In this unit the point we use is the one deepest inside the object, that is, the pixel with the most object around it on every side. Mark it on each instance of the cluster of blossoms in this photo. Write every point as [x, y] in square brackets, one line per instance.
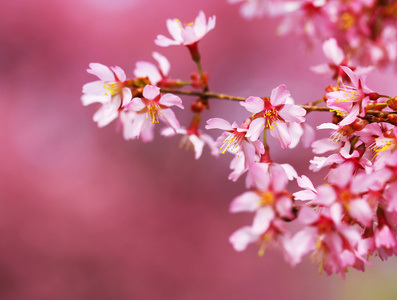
[365, 29]
[342, 222]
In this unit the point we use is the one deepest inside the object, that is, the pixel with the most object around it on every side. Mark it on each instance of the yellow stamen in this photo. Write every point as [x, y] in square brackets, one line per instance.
[346, 21]
[112, 87]
[154, 112]
[233, 142]
[267, 198]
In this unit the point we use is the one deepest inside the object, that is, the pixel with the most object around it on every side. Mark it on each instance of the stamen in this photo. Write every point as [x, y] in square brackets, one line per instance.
[113, 87]
[346, 21]
[154, 112]
[267, 198]
[271, 115]
[233, 142]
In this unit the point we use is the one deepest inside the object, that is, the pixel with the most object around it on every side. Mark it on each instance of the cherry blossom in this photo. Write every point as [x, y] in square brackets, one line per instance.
[188, 34]
[351, 100]
[273, 113]
[151, 108]
[194, 140]
[110, 91]
[153, 72]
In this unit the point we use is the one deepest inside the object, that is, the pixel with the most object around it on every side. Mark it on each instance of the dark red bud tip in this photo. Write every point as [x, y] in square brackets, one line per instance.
[373, 96]
[392, 104]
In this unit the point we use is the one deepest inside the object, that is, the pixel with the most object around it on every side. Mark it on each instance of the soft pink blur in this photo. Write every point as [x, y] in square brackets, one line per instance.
[87, 215]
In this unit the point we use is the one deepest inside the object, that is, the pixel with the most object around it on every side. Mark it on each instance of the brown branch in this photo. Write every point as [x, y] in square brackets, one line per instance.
[308, 108]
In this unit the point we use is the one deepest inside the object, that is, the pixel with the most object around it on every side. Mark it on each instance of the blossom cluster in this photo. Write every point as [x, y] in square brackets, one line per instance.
[365, 29]
[342, 222]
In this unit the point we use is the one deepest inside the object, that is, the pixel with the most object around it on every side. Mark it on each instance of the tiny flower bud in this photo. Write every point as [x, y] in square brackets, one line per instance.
[373, 96]
[392, 103]
[392, 118]
[359, 124]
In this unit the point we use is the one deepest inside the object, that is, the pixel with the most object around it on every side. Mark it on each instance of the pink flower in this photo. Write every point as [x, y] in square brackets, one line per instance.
[271, 203]
[273, 114]
[152, 107]
[338, 59]
[333, 242]
[154, 73]
[127, 118]
[192, 140]
[233, 140]
[110, 91]
[188, 34]
[309, 192]
[350, 100]
[234, 136]
[252, 8]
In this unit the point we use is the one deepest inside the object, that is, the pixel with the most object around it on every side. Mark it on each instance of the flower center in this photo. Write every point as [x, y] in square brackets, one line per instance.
[154, 112]
[233, 141]
[270, 113]
[267, 198]
[112, 88]
[346, 21]
[382, 144]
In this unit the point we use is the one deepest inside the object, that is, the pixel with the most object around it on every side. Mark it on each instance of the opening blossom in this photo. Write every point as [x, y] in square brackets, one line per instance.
[192, 140]
[151, 108]
[110, 91]
[351, 100]
[188, 34]
[155, 73]
[273, 113]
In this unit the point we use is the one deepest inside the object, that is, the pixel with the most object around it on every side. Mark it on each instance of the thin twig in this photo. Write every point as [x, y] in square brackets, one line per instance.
[308, 108]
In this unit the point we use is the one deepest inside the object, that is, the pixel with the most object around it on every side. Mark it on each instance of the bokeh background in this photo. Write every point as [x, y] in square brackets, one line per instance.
[87, 215]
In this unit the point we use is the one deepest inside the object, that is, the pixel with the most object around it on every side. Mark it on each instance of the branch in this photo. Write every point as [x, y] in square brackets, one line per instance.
[308, 108]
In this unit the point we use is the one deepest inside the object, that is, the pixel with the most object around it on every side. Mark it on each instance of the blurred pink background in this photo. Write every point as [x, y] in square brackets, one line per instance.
[87, 215]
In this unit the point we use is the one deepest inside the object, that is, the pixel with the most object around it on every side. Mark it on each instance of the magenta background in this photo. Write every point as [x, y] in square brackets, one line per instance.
[86, 215]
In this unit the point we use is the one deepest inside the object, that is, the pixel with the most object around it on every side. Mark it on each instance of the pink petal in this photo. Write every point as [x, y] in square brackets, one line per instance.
[292, 113]
[171, 100]
[284, 207]
[89, 99]
[280, 132]
[248, 201]
[138, 124]
[94, 88]
[163, 62]
[200, 26]
[255, 129]
[119, 72]
[218, 123]
[361, 212]
[150, 92]
[136, 104]
[146, 69]
[198, 145]
[175, 28]
[164, 41]
[169, 117]
[305, 183]
[127, 96]
[262, 220]
[189, 36]
[353, 77]
[258, 176]
[385, 238]
[302, 243]
[333, 52]
[325, 195]
[279, 95]
[279, 178]
[102, 71]
[253, 104]
[241, 238]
